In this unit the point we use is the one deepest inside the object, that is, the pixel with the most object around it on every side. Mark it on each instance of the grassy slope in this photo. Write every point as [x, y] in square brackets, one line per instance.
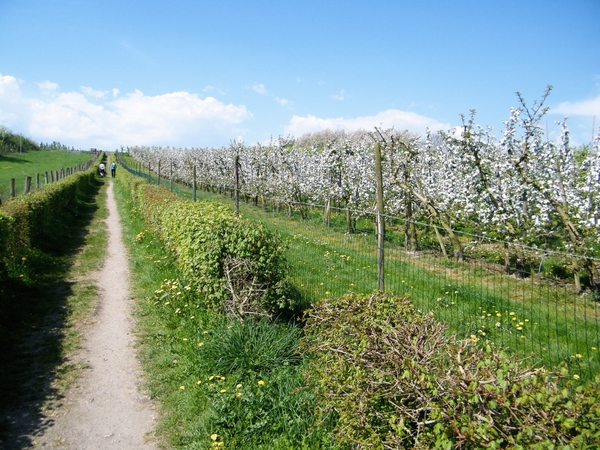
[21, 165]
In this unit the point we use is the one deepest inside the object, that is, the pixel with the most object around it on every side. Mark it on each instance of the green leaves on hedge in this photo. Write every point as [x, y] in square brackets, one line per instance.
[238, 265]
[395, 379]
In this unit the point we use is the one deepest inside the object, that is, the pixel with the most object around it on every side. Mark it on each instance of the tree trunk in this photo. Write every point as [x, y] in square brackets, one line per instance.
[349, 224]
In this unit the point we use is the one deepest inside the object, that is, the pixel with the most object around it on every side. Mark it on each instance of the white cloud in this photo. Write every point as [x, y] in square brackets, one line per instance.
[47, 87]
[283, 101]
[401, 120]
[10, 100]
[93, 118]
[259, 89]
[8, 85]
[590, 107]
[93, 92]
[341, 96]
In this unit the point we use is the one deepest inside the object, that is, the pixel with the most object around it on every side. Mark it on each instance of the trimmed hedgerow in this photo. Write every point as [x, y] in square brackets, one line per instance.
[238, 265]
[41, 218]
[393, 378]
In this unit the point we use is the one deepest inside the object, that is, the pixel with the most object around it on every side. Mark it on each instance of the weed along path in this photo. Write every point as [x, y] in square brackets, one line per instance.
[106, 409]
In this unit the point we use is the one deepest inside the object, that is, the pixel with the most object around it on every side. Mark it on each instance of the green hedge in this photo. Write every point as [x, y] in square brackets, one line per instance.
[236, 264]
[393, 378]
[40, 219]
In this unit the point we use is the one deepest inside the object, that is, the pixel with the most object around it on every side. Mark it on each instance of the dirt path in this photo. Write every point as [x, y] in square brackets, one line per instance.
[106, 409]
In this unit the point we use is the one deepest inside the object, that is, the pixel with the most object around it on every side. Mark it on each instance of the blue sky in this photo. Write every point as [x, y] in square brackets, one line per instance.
[105, 73]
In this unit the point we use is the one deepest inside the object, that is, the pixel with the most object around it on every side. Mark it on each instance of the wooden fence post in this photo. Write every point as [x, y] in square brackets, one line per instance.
[236, 176]
[380, 219]
[13, 192]
[27, 187]
[194, 184]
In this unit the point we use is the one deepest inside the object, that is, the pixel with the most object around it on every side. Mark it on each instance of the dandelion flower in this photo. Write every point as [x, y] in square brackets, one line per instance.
[576, 377]
[200, 344]
[261, 383]
[223, 391]
[214, 437]
[239, 386]
[181, 388]
[238, 395]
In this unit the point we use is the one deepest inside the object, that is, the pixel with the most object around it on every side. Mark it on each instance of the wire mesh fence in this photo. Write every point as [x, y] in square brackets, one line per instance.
[528, 304]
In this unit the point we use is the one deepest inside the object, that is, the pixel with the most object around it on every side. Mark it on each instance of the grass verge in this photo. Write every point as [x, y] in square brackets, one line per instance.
[219, 383]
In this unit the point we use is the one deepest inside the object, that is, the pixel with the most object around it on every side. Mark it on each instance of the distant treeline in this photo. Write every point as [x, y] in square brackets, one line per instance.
[15, 143]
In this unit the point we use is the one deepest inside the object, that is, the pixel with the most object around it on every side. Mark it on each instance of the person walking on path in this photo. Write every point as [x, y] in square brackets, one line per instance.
[113, 169]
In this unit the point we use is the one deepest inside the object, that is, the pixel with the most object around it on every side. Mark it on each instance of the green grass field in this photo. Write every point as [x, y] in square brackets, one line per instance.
[21, 165]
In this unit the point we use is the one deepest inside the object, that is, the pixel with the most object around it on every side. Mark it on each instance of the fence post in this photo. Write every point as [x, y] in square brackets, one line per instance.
[37, 180]
[13, 192]
[194, 184]
[380, 219]
[236, 176]
[158, 173]
[27, 187]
